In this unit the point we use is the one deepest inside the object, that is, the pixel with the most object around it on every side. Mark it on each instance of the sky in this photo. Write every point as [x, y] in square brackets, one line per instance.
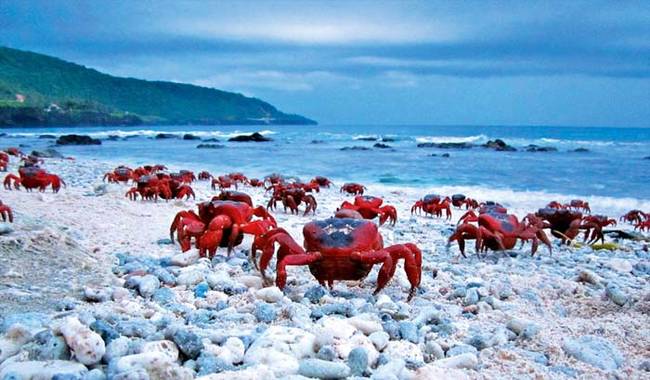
[369, 62]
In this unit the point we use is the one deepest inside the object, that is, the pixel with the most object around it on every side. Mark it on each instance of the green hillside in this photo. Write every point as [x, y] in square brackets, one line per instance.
[37, 89]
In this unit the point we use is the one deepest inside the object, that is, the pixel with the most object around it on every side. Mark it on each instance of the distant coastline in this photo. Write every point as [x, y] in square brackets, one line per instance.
[39, 90]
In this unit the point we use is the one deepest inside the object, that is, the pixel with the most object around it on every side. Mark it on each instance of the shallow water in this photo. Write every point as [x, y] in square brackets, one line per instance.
[614, 167]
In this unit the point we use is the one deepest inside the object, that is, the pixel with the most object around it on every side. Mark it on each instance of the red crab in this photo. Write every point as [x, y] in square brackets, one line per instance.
[120, 174]
[13, 151]
[185, 176]
[254, 182]
[459, 200]
[292, 198]
[162, 186]
[238, 178]
[223, 182]
[564, 224]
[322, 181]
[205, 176]
[353, 188]
[32, 177]
[645, 225]
[556, 205]
[498, 231]
[433, 204]
[635, 217]
[488, 207]
[338, 249]
[601, 221]
[4, 161]
[370, 207]
[579, 204]
[219, 224]
[237, 196]
[5, 212]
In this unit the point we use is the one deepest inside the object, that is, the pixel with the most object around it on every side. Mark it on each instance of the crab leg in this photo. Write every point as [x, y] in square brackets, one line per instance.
[293, 259]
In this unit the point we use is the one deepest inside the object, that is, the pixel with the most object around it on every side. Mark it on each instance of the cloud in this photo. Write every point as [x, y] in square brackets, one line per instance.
[250, 80]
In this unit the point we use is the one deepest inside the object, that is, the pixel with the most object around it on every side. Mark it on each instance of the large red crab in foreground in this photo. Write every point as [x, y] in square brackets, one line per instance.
[219, 224]
[5, 213]
[339, 249]
[433, 204]
[497, 230]
[370, 207]
[353, 188]
[32, 177]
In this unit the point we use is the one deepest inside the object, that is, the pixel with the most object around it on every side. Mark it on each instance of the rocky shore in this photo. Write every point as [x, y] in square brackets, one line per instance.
[93, 289]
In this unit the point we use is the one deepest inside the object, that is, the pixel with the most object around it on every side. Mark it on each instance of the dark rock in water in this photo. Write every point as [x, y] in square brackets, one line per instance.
[646, 158]
[113, 138]
[387, 139]
[47, 153]
[445, 155]
[537, 148]
[189, 136]
[580, 150]
[255, 137]
[447, 145]
[211, 139]
[499, 145]
[77, 140]
[367, 138]
[210, 146]
[317, 142]
[356, 147]
[166, 136]
[51, 137]
[382, 146]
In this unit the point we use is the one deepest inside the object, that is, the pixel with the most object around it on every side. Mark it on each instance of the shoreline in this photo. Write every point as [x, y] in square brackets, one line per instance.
[478, 303]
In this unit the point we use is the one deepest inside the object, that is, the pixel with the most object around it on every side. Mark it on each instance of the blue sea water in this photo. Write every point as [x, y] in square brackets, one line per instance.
[614, 166]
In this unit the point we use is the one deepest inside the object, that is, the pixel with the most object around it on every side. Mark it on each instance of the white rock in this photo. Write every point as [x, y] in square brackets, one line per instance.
[86, 345]
[165, 346]
[254, 282]
[394, 369]
[185, 259]
[433, 372]
[190, 277]
[43, 370]
[339, 328]
[120, 294]
[158, 365]
[404, 350]
[379, 339]
[270, 294]
[258, 372]
[13, 340]
[236, 348]
[384, 303]
[467, 360]
[280, 348]
[117, 348]
[366, 323]
[620, 265]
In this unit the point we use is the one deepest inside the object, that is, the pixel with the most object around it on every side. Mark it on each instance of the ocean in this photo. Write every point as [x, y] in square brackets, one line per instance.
[614, 168]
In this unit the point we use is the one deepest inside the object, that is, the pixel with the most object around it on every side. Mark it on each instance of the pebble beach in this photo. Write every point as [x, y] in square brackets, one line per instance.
[93, 288]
